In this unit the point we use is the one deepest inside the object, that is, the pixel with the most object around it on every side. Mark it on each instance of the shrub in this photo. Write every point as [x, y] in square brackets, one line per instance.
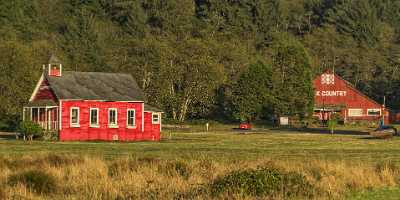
[262, 182]
[30, 129]
[50, 135]
[38, 181]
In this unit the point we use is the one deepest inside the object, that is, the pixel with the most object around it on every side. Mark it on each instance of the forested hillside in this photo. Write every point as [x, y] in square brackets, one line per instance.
[196, 58]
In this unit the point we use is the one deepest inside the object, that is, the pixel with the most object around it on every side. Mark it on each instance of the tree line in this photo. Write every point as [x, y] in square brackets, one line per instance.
[227, 59]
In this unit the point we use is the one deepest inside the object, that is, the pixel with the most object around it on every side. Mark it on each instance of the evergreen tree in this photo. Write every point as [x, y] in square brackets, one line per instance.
[253, 92]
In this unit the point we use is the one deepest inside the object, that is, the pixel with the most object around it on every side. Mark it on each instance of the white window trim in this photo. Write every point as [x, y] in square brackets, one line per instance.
[74, 125]
[353, 109]
[116, 118]
[90, 118]
[374, 109]
[152, 118]
[134, 118]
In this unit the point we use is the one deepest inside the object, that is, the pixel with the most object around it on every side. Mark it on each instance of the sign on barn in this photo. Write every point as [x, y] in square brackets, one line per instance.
[336, 95]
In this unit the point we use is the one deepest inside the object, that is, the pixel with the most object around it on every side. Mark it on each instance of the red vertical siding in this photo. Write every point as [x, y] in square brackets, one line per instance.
[103, 132]
[44, 92]
[341, 93]
[152, 130]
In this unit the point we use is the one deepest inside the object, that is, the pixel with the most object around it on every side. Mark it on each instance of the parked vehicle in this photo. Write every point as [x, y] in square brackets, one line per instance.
[384, 132]
[245, 126]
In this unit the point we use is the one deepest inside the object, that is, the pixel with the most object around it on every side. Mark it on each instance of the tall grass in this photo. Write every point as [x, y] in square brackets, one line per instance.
[147, 178]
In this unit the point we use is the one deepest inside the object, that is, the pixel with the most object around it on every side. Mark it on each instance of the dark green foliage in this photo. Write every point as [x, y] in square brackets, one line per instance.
[38, 181]
[359, 19]
[292, 77]
[262, 182]
[30, 129]
[253, 92]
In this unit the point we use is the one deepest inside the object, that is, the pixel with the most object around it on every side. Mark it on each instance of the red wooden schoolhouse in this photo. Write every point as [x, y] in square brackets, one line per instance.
[91, 106]
[336, 95]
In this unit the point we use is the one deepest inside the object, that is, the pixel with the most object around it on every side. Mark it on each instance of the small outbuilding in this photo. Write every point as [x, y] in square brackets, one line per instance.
[336, 95]
[91, 106]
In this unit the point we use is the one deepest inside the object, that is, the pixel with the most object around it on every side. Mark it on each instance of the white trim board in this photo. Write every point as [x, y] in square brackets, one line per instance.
[90, 118]
[127, 118]
[60, 115]
[116, 118]
[74, 125]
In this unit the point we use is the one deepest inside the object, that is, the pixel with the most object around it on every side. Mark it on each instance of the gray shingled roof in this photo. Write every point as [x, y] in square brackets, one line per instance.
[149, 108]
[54, 60]
[95, 86]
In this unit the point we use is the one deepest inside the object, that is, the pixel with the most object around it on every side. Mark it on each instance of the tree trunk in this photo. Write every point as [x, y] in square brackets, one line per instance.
[172, 94]
[174, 115]
[183, 110]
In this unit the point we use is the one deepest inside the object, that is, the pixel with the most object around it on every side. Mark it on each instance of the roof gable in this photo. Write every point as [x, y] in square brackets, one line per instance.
[328, 80]
[96, 86]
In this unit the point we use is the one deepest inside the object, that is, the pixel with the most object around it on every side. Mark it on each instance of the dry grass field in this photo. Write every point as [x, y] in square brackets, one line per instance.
[268, 164]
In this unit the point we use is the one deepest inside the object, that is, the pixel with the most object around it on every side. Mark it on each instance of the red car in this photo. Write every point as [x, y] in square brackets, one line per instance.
[245, 126]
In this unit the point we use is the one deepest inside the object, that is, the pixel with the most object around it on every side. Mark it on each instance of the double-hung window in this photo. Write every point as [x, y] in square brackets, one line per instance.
[94, 117]
[155, 118]
[130, 118]
[112, 118]
[74, 117]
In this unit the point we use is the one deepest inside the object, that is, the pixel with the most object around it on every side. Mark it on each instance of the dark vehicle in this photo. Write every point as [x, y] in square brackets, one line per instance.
[384, 132]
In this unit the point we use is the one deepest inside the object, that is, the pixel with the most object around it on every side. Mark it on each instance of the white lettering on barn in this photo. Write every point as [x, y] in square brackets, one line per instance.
[331, 93]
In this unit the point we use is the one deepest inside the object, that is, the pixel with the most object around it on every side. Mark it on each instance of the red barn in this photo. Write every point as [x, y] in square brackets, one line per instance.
[91, 106]
[335, 95]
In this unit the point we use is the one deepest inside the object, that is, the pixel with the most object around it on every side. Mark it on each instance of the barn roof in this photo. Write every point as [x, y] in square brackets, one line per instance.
[353, 87]
[350, 86]
[95, 86]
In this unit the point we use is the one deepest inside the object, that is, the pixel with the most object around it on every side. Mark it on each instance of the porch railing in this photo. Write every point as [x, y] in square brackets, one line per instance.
[45, 116]
[49, 125]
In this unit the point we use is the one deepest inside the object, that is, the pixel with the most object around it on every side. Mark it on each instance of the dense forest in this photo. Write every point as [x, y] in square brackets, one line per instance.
[213, 59]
